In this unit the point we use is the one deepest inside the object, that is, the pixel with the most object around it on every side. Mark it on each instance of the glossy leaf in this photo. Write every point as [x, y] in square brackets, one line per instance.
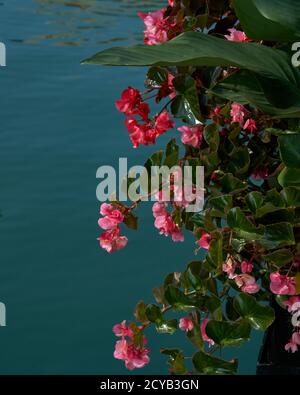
[226, 333]
[206, 364]
[259, 316]
[274, 20]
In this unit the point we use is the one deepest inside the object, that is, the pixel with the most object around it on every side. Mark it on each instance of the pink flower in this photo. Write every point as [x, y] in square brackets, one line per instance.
[290, 303]
[172, 92]
[112, 217]
[192, 135]
[147, 133]
[238, 113]
[186, 324]
[121, 349]
[131, 103]
[112, 240]
[250, 125]
[164, 222]
[130, 99]
[204, 241]
[171, 3]
[246, 267]
[294, 343]
[247, 283]
[134, 357]
[136, 132]
[229, 268]
[215, 112]
[122, 330]
[203, 332]
[156, 26]
[260, 174]
[163, 123]
[282, 285]
[236, 35]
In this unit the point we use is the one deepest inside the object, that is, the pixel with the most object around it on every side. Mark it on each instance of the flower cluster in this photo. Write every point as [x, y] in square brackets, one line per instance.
[146, 130]
[246, 282]
[158, 27]
[165, 223]
[192, 135]
[134, 356]
[111, 240]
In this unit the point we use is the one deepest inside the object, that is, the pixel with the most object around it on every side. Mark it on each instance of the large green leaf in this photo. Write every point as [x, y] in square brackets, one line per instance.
[290, 149]
[176, 298]
[275, 20]
[265, 93]
[291, 196]
[289, 177]
[278, 235]
[243, 227]
[226, 333]
[198, 49]
[279, 257]
[260, 317]
[205, 363]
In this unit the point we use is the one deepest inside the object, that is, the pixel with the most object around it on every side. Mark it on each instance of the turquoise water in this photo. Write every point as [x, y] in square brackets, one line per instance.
[58, 125]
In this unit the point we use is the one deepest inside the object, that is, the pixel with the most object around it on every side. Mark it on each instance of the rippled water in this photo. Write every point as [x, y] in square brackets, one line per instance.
[58, 124]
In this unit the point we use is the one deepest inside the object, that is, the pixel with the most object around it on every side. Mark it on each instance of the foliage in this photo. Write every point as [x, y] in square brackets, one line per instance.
[243, 94]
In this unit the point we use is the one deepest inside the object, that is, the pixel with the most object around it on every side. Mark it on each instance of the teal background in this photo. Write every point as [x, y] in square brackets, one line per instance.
[58, 125]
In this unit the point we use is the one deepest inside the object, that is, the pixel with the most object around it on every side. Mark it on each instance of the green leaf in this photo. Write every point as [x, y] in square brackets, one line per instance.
[176, 298]
[212, 136]
[197, 275]
[232, 184]
[158, 294]
[203, 219]
[289, 146]
[206, 364]
[176, 360]
[277, 235]
[280, 257]
[154, 313]
[140, 312]
[195, 337]
[267, 94]
[186, 91]
[168, 327]
[239, 161]
[215, 253]
[237, 220]
[260, 317]
[131, 221]
[156, 76]
[226, 333]
[172, 154]
[273, 20]
[198, 49]
[220, 205]
[289, 177]
[214, 306]
[254, 201]
[291, 196]
[154, 160]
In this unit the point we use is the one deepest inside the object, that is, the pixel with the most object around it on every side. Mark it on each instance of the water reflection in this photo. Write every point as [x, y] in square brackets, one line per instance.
[74, 22]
